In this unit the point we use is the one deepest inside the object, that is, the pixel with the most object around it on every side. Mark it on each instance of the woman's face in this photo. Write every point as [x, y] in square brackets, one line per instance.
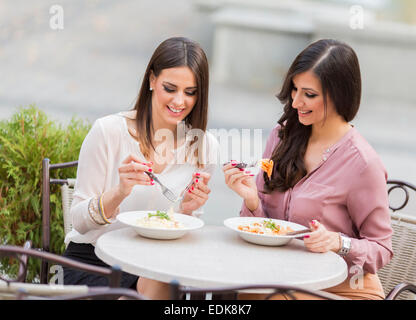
[174, 95]
[308, 99]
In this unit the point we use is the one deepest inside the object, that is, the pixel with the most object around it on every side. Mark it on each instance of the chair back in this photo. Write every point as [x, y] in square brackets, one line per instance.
[402, 268]
[113, 273]
[67, 191]
[17, 289]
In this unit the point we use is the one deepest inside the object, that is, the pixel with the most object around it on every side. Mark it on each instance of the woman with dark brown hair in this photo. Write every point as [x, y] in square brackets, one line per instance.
[165, 134]
[325, 175]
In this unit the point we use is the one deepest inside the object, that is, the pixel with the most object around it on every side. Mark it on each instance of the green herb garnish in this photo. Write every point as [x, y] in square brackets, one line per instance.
[271, 225]
[160, 214]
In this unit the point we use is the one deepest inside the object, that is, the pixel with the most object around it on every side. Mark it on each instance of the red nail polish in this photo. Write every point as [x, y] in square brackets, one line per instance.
[251, 175]
[196, 180]
[192, 188]
[241, 169]
[306, 237]
[150, 170]
[233, 164]
[197, 174]
[189, 190]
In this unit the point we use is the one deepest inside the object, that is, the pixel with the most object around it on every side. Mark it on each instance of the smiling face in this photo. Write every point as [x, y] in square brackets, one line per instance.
[308, 99]
[174, 96]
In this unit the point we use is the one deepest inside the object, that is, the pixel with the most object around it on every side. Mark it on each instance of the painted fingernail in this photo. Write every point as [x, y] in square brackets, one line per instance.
[197, 174]
[150, 170]
[189, 191]
[233, 164]
[251, 175]
[152, 183]
[241, 169]
[306, 237]
[196, 180]
[192, 188]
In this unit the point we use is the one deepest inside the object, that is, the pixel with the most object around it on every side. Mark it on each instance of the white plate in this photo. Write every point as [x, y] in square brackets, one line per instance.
[262, 239]
[130, 219]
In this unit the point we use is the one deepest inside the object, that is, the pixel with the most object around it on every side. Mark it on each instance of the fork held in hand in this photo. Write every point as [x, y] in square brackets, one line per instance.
[165, 191]
[243, 165]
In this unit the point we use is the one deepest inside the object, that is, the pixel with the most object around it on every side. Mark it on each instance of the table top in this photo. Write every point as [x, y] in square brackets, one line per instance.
[217, 256]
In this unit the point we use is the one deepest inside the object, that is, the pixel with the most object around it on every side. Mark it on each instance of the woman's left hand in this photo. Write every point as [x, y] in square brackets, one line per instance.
[197, 194]
[320, 239]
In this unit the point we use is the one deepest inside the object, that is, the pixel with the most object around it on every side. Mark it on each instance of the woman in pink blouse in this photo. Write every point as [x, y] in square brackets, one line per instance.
[325, 175]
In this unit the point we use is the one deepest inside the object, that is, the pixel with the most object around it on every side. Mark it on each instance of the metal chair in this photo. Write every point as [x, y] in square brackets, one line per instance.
[178, 292]
[400, 274]
[67, 186]
[18, 289]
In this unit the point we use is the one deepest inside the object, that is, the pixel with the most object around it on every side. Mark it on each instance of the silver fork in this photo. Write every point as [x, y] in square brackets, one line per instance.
[182, 195]
[165, 191]
[243, 165]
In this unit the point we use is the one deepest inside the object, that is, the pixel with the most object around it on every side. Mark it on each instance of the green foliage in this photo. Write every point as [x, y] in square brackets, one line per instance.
[25, 139]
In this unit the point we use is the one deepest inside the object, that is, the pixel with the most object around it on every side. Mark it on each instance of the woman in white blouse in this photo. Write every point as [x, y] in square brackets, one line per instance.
[164, 134]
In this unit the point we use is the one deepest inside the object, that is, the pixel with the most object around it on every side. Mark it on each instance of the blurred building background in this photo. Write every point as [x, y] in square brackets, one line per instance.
[92, 64]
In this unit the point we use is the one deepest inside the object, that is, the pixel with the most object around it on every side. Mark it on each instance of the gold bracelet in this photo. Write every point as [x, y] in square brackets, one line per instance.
[102, 210]
[94, 212]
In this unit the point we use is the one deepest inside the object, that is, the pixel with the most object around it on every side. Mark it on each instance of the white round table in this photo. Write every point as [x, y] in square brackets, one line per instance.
[216, 256]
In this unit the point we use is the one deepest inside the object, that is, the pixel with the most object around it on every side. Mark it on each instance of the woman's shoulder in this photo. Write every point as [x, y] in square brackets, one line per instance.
[112, 124]
[362, 151]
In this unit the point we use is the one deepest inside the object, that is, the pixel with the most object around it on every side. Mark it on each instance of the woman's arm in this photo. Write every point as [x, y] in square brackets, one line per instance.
[368, 207]
[253, 206]
[91, 174]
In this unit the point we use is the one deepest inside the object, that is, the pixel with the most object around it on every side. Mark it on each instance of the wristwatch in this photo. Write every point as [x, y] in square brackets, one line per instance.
[345, 245]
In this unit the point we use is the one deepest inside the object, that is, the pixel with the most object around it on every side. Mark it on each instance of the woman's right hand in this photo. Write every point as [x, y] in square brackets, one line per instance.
[240, 182]
[132, 172]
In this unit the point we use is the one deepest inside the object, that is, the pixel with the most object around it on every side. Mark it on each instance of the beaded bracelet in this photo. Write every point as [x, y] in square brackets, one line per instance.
[94, 212]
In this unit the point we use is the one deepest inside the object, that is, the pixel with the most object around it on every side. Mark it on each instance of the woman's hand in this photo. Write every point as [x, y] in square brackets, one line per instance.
[197, 194]
[320, 239]
[132, 172]
[241, 183]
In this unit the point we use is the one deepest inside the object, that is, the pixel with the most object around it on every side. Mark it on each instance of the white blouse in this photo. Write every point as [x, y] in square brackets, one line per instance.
[106, 145]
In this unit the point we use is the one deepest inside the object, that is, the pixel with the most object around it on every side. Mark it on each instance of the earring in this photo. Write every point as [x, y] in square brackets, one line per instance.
[151, 89]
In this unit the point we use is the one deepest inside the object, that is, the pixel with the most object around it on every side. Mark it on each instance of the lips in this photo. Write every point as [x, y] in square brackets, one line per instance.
[304, 113]
[175, 111]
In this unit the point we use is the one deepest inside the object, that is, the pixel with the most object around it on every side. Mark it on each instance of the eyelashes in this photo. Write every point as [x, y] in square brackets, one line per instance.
[188, 93]
[308, 95]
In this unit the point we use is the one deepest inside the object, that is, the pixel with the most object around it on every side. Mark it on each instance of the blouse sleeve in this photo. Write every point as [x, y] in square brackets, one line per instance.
[91, 175]
[271, 143]
[367, 204]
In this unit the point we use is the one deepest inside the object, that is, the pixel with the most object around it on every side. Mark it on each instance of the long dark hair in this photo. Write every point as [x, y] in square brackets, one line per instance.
[336, 65]
[171, 53]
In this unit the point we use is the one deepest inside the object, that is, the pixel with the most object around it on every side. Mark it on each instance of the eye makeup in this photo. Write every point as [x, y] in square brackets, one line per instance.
[171, 90]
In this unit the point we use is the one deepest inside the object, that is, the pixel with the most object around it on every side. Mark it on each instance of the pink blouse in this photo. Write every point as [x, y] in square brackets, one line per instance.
[347, 193]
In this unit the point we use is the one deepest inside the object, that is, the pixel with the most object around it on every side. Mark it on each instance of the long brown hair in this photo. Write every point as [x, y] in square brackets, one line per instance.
[171, 53]
[336, 65]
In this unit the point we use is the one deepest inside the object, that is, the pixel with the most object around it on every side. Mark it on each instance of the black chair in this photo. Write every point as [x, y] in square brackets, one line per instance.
[399, 276]
[46, 214]
[19, 289]
[178, 292]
